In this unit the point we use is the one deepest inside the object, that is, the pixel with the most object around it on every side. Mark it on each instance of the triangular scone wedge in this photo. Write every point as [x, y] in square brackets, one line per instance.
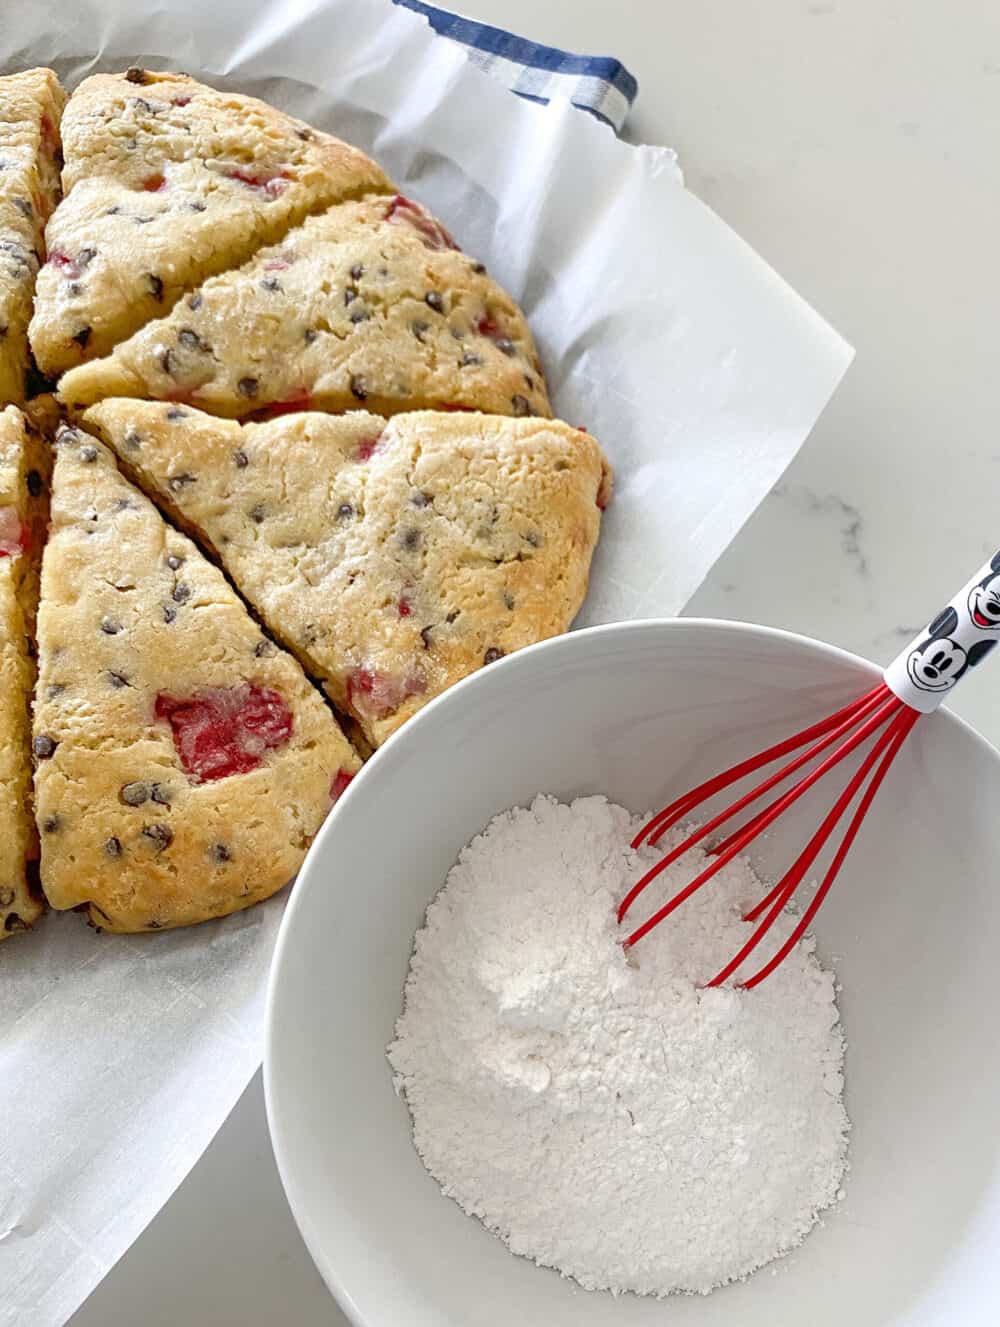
[167, 182]
[365, 303]
[183, 762]
[393, 557]
[30, 110]
[24, 460]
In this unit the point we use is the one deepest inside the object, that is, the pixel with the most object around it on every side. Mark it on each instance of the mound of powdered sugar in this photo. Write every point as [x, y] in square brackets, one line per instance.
[602, 1114]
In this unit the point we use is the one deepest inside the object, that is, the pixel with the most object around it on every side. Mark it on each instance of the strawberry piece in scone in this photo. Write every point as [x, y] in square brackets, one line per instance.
[183, 761]
[24, 460]
[168, 181]
[368, 303]
[392, 557]
[30, 110]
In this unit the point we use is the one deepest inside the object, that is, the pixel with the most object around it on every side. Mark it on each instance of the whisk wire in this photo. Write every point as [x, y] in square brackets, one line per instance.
[779, 897]
[761, 821]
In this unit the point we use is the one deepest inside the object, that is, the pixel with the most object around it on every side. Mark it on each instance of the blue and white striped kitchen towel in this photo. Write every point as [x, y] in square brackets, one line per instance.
[595, 83]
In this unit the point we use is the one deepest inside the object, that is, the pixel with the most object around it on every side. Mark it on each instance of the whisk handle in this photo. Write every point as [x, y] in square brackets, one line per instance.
[956, 640]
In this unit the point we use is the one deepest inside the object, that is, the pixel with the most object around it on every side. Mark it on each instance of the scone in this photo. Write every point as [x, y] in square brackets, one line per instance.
[30, 110]
[23, 475]
[369, 302]
[183, 761]
[167, 182]
[393, 557]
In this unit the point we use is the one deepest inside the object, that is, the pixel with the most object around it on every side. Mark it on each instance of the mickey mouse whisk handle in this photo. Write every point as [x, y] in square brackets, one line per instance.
[958, 639]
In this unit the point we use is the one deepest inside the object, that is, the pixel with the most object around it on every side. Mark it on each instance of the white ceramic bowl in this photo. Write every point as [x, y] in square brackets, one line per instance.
[640, 711]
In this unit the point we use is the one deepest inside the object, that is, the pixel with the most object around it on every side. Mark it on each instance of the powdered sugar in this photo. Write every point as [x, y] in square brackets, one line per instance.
[604, 1115]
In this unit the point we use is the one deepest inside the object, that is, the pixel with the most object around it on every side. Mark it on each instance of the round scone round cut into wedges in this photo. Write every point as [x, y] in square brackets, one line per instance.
[393, 557]
[183, 761]
[367, 304]
[167, 182]
[31, 106]
[24, 460]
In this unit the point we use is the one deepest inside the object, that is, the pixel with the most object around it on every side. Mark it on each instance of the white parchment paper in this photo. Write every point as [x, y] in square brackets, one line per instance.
[661, 331]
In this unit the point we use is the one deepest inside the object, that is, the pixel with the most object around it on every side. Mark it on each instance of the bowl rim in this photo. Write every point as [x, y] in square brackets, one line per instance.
[412, 731]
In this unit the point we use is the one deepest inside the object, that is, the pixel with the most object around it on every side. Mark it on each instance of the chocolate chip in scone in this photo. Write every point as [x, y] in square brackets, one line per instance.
[88, 454]
[118, 680]
[508, 601]
[132, 440]
[521, 405]
[24, 207]
[479, 268]
[175, 412]
[505, 345]
[350, 295]
[135, 794]
[418, 328]
[189, 339]
[533, 538]
[169, 614]
[174, 562]
[34, 482]
[195, 302]
[410, 539]
[176, 483]
[248, 387]
[469, 359]
[161, 836]
[112, 211]
[12, 922]
[529, 382]
[434, 300]
[271, 284]
[44, 746]
[359, 387]
[257, 513]
[360, 315]
[492, 655]
[55, 690]
[357, 271]
[181, 593]
[425, 636]
[345, 511]
[155, 285]
[113, 847]
[241, 459]
[453, 615]
[220, 853]
[167, 362]
[51, 825]
[310, 335]
[306, 135]
[136, 75]
[196, 205]
[161, 794]
[82, 337]
[421, 499]
[264, 649]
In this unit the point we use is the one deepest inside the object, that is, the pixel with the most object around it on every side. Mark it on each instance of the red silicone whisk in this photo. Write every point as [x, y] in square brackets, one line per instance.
[915, 683]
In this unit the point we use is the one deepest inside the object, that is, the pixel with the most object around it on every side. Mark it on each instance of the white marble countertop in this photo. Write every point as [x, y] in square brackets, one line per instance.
[850, 142]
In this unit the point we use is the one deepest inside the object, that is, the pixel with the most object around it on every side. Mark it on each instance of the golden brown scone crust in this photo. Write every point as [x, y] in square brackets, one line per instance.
[365, 303]
[31, 106]
[131, 612]
[168, 181]
[392, 557]
[24, 461]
